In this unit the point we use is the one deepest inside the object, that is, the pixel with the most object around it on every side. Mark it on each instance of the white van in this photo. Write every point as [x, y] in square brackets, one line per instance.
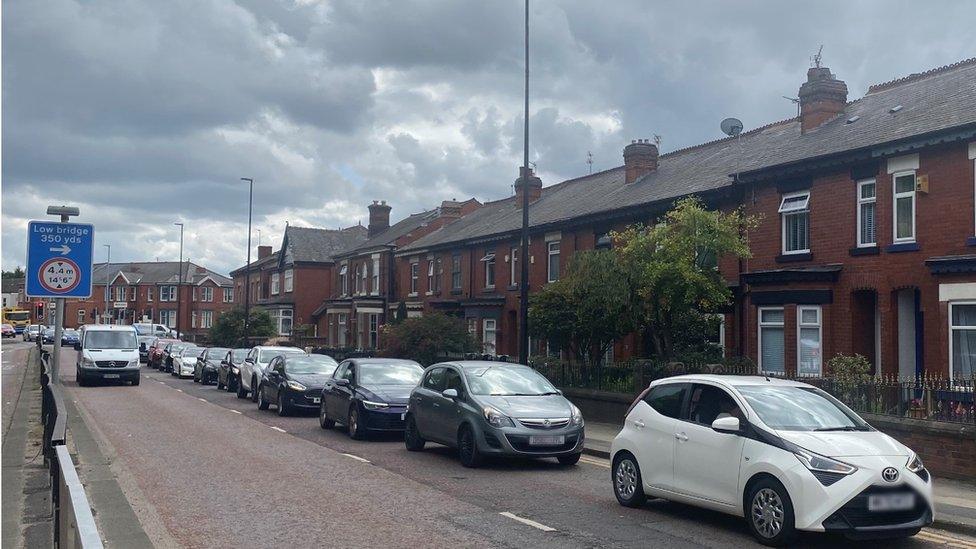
[147, 329]
[106, 351]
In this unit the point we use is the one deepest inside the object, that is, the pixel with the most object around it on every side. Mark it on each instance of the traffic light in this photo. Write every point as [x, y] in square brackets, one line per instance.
[39, 307]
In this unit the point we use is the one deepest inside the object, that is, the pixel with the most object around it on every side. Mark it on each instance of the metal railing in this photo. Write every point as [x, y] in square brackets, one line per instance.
[928, 396]
[74, 525]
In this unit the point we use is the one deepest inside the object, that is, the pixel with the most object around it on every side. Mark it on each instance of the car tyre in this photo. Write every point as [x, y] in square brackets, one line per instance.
[283, 409]
[262, 404]
[411, 436]
[769, 513]
[195, 378]
[135, 382]
[468, 448]
[241, 393]
[254, 392]
[354, 425]
[628, 486]
[82, 380]
[232, 385]
[220, 386]
[324, 421]
[570, 460]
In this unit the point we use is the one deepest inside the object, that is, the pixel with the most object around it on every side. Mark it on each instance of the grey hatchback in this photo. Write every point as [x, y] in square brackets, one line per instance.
[492, 408]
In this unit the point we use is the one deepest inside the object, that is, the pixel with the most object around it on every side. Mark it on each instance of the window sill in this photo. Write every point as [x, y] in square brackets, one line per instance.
[903, 247]
[791, 258]
[512, 287]
[456, 292]
[488, 290]
[428, 293]
[412, 294]
[865, 250]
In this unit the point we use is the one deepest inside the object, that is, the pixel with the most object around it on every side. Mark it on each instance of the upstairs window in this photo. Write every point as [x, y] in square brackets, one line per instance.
[275, 283]
[289, 280]
[904, 205]
[430, 276]
[456, 272]
[866, 202]
[207, 295]
[514, 265]
[414, 275]
[795, 213]
[344, 279]
[437, 275]
[489, 261]
[357, 278]
[364, 279]
[376, 275]
[228, 295]
[553, 264]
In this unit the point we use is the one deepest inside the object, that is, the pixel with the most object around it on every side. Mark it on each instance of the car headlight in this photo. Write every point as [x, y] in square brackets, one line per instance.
[577, 415]
[235, 370]
[295, 385]
[370, 405]
[915, 464]
[134, 363]
[822, 464]
[496, 418]
[88, 363]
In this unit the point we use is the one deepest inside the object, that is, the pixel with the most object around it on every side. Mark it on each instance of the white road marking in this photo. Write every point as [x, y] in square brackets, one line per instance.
[528, 522]
[236, 411]
[279, 429]
[202, 399]
[357, 458]
[179, 390]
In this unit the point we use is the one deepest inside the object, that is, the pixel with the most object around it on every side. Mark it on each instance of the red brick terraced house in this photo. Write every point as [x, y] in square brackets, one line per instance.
[866, 241]
[365, 278]
[147, 292]
[292, 282]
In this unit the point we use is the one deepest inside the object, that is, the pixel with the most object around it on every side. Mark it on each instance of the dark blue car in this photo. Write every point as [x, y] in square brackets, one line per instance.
[69, 337]
[369, 394]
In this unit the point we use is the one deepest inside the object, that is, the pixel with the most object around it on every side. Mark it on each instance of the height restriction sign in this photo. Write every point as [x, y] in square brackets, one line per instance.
[59, 259]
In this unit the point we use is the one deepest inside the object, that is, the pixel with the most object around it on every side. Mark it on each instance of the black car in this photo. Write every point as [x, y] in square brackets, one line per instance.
[47, 335]
[166, 362]
[369, 394]
[229, 371]
[295, 382]
[145, 342]
[205, 370]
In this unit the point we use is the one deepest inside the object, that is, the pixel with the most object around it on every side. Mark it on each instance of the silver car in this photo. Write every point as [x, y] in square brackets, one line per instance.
[492, 408]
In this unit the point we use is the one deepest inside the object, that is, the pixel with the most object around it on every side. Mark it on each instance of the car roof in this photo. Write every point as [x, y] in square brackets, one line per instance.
[108, 328]
[379, 360]
[480, 364]
[276, 348]
[734, 380]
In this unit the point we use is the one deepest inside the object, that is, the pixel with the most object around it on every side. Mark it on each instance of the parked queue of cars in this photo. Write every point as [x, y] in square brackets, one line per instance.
[783, 455]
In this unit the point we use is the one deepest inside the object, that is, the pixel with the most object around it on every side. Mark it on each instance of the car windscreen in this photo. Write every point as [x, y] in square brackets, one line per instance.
[142, 329]
[509, 381]
[192, 352]
[70, 333]
[787, 408]
[111, 340]
[314, 364]
[265, 356]
[403, 373]
[238, 355]
[217, 353]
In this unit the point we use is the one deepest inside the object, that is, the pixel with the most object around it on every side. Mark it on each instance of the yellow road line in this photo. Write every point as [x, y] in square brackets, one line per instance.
[944, 539]
[596, 461]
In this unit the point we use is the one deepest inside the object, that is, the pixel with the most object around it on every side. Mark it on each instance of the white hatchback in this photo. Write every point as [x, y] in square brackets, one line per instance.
[785, 455]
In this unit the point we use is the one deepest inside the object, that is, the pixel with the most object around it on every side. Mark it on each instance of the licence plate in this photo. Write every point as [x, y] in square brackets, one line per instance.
[316, 400]
[547, 441]
[111, 376]
[891, 502]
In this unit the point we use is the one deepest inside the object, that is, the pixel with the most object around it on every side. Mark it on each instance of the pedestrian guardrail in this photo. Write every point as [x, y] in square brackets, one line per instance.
[74, 525]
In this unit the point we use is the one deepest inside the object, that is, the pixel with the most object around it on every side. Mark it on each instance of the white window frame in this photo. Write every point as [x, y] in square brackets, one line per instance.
[344, 278]
[374, 323]
[193, 319]
[289, 283]
[549, 254]
[513, 265]
[149, 293]
[206, 294]
[894, 206]
[953, 328]
[376, 276]
[414, 277]
[275, 283]
[357, 279]
[494, 336]
[81, 316]
[760, 325]
[228, 295]
[861, 202]
[206, 319]
[342, 328]
[793, 210]
[430, 276]
[489, 261]
[819, 326]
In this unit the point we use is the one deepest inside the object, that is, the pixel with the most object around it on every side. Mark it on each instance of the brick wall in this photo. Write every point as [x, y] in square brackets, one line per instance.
[946, 449]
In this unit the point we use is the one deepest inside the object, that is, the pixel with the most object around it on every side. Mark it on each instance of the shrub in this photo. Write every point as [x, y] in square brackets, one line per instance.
[849, 367]
[428, 338]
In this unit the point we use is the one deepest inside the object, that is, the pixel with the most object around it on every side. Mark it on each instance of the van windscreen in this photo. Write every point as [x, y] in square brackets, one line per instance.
[111, 340]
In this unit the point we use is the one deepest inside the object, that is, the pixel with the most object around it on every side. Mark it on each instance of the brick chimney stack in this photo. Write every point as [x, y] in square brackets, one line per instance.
[531, 184]
[822, 97]
[264, 251]
[451, 210]
[640, 157]
[379, 218]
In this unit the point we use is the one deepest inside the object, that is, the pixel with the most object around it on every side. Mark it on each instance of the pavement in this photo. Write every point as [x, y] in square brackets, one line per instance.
[955, 500]
[171, 463]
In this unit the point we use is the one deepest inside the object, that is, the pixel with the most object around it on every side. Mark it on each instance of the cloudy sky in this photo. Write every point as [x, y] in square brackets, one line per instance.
[144, 113]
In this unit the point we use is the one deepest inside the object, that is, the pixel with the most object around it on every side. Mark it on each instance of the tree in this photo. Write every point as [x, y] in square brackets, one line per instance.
[401, 313]
[228, 329]
[674, 268]
[16, 273]
[588, 308]
[427, 338]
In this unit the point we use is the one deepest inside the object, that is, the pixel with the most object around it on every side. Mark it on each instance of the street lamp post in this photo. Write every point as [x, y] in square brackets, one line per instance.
[179, 287]
[247, 266]
[108, 263]
[523, 347]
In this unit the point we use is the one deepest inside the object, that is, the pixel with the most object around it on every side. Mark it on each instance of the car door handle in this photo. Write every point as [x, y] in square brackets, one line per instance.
[681, 436]
[639, 423]
[436, 405]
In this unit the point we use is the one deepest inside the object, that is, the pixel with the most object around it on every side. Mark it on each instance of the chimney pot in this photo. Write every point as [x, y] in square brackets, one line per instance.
[379, 218]
[822, 97]
[527, 182]
[640, 158]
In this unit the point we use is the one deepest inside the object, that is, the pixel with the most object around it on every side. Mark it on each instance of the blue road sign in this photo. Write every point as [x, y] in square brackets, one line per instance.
[59, 259]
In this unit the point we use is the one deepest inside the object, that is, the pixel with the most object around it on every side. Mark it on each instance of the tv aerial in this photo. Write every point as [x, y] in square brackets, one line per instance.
[731, 127]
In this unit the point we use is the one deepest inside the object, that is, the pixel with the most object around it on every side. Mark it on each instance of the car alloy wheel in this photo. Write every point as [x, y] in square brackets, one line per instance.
[411, 436]
[767, 513]
[627, 484]
[262, 404]
[254, 391]
[282, 407]
[324, 421]
[355, 430]
[468, 448]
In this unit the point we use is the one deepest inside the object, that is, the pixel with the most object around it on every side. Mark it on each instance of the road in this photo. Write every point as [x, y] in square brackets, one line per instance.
[206, 469]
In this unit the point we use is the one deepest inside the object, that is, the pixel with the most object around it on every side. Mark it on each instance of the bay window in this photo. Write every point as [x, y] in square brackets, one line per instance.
[795, 214]
[809, 334]
[414, 275]
[275, 283]
[489, 335]
[772, 345]
[513, 263]
[456, 272]
[376, 275]
[962, 344]
[430, 276]
[344, 279]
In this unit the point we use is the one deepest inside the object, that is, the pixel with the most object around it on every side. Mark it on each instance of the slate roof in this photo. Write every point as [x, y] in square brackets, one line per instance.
[397, 230]
[12, 285]
[934, 101]
[321, 245]
[156, 272]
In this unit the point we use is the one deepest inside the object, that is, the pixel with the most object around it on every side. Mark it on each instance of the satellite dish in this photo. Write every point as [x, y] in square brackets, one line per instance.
[731, 126]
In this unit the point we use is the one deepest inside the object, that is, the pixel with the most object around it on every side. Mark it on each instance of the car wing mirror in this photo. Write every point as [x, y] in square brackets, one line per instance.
[728, 424]
[78, 346]
[450, 393]
[342, 382]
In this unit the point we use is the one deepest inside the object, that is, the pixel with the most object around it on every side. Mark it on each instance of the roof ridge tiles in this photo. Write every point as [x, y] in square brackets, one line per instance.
[730, 138]
[915, 76]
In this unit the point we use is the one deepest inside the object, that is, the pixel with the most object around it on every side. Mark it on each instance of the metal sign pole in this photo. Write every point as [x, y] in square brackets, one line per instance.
[58, 329]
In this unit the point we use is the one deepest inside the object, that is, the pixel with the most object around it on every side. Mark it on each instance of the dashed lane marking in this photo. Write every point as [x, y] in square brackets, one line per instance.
[179, 390]
[202, 399]
[357, 458]
[235, 411]
[279, 429]
[532, 523]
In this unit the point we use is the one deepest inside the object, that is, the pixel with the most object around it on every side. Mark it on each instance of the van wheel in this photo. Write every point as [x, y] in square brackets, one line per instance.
[628, 486]
[769, 513]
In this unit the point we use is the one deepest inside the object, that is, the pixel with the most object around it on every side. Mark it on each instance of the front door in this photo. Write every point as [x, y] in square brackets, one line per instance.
[425, 403]
[706, 462]
[654, 424]
[447, 412]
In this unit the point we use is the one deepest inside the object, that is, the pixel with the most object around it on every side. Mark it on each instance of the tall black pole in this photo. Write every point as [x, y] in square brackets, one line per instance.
[247, 268]
[179, 288]
[523, 330]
